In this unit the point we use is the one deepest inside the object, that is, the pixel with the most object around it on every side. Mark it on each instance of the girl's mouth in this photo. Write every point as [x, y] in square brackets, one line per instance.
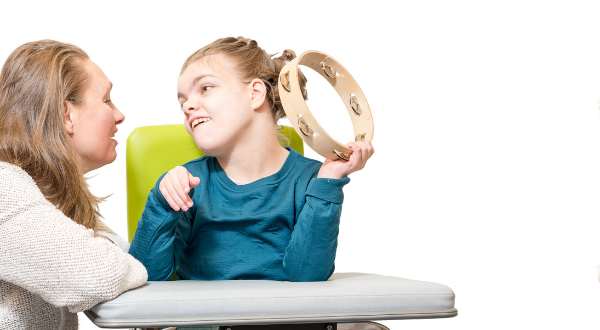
[199, 121]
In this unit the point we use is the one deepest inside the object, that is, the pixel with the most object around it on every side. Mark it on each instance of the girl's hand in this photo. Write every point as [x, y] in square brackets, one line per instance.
[337, 169]
[175, 187]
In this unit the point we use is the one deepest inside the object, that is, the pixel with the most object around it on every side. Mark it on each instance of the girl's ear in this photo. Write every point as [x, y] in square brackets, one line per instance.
[68, 116]
[259, 93]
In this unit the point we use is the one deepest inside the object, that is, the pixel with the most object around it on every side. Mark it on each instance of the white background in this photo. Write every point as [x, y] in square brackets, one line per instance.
[486, 175]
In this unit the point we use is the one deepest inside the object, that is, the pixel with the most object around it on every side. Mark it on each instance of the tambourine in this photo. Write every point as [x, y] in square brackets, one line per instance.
[300, 116]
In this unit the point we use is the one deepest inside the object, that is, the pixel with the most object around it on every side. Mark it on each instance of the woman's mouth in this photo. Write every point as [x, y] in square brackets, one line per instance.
[199, 121]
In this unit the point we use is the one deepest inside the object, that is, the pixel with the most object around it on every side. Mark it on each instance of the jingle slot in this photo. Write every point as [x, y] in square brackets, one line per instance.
[360, 137]
[355, 105]
[304, 128]
[285, 81]
[340, 155]
[332, 73]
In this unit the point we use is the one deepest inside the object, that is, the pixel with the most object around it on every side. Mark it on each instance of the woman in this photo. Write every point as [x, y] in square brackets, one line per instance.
[56, 124]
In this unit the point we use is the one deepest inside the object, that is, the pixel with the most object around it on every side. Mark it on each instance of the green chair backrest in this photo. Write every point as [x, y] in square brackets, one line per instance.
[154, 150]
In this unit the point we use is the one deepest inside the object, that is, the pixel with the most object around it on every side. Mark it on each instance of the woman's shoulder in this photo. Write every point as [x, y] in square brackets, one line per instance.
[13, 172]
[16, 182]
[8, 167]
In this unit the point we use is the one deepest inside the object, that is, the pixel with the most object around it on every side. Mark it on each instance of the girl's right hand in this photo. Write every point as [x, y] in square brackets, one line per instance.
[176, 185]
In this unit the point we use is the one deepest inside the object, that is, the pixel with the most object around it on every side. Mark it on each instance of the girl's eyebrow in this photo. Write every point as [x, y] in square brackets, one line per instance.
[195, 81]
[200, 77]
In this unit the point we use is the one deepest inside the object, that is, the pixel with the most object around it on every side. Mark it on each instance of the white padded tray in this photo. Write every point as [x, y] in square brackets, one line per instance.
[345, 297]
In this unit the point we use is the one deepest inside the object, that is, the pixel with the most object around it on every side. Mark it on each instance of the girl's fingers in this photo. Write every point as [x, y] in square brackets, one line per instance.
[182, 186]
[356, 158]
[365, 154]
[183, 179]
[176, 193]
[167, 195]
[194, 181]
[179, 185]
[175, 187]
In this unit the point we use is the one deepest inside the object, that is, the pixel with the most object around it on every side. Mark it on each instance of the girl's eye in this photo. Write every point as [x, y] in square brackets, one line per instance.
[205, 88]
[107, 101]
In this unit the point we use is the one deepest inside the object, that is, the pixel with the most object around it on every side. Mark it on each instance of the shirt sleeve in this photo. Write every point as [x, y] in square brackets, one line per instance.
[310, 255]
[161, 236]
[48, 254]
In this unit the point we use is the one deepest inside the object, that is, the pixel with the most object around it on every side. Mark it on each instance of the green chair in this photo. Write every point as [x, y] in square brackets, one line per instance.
[347, 301]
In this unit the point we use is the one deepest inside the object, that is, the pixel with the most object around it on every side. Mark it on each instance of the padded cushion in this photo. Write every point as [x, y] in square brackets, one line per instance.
[345, 297]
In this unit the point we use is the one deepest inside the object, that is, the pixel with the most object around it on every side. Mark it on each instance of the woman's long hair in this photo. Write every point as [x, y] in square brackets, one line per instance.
[35, 82]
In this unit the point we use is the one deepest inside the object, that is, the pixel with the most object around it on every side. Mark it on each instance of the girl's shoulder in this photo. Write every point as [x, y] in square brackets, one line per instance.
[304, 166]
[198, 162]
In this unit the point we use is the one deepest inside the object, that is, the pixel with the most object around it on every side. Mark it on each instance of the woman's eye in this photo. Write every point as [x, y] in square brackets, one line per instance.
[205, 88]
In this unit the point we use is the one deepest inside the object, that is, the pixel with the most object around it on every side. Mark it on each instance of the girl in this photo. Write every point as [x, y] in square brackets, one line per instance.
[255, 209]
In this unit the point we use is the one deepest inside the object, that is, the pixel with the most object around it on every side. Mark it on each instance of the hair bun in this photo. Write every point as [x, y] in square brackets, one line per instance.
[284, 59]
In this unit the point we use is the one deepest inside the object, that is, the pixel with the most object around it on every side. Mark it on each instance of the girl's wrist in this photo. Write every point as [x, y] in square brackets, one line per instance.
[325, 174]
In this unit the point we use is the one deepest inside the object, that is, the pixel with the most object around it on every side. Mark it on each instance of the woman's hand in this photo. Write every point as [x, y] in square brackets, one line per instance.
[175, 187]
[337, 169]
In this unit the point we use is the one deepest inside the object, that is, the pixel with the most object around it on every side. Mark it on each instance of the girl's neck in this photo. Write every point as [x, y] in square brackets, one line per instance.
[256, 156]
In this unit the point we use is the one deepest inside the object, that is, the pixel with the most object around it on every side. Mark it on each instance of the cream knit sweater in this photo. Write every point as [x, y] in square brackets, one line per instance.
[50, 267]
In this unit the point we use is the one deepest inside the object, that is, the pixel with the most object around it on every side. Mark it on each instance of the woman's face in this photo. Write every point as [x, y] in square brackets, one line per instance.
[93, 123]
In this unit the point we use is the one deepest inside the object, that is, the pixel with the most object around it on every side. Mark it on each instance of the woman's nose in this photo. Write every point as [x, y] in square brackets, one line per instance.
[119, 116]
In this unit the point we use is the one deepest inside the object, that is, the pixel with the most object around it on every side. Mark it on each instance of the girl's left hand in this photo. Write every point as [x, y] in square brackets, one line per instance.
[337, 169]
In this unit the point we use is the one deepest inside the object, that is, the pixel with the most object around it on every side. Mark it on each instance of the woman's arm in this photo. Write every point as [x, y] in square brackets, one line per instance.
[101, 229]
[48, 254]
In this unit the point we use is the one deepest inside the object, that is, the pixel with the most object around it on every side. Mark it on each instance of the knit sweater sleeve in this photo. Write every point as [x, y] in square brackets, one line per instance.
[310, 254]
[102, 229]
[48, 254]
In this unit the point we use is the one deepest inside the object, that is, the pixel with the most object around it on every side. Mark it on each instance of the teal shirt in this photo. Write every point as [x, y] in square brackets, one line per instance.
[283, 227]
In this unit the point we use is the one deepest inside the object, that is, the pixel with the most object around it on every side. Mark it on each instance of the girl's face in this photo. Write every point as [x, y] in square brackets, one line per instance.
[216, 104]
[94, 122]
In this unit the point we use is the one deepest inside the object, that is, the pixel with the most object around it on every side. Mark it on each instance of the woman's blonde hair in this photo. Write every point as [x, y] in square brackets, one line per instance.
[36, 81]
[252, 62]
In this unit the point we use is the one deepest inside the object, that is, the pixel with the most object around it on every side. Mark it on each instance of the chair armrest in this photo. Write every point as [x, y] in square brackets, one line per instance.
[345, 297]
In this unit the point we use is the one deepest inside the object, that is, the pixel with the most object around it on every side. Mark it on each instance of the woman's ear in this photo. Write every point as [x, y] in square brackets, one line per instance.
[68, 117]
[259, 93]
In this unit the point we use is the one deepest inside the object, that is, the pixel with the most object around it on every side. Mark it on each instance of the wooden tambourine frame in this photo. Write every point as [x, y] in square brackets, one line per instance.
[300, 116]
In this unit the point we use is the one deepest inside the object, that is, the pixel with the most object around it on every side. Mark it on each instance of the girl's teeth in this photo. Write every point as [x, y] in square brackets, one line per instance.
[198, 121]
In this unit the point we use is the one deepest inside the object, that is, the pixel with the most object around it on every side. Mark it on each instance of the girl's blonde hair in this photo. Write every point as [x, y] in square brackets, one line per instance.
[252, 62]
[36, 81]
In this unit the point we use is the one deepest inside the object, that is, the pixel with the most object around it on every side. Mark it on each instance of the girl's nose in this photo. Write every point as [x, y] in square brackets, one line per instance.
[190, 106]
